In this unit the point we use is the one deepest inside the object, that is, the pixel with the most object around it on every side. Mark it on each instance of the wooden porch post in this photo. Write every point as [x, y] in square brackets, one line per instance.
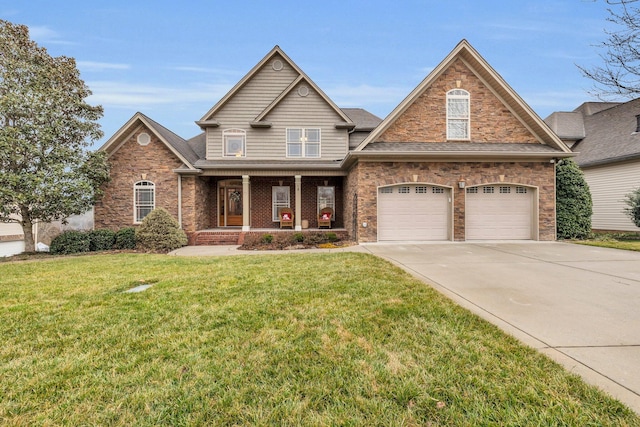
[246, 198]
[298, 214]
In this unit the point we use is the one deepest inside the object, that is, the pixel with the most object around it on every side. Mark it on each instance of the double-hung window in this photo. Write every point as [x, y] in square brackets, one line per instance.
[280, 198]
[327, 199]
[234, 143]
[144, 200]
[458, 126]
[303, 142]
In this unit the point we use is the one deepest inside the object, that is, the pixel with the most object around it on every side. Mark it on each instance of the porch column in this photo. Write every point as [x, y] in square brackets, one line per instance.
[298, 213]
[246, 198]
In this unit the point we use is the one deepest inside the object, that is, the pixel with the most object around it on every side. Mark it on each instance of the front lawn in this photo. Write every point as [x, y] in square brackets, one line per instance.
[295, 339]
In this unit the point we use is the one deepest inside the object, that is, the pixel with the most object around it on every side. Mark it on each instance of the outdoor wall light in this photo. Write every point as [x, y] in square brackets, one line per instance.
[364, 224]
[461, 184]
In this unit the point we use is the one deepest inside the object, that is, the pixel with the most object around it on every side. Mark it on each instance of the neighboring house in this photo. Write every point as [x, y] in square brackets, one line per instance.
[606, 139]
[461, 158]
[11, 239]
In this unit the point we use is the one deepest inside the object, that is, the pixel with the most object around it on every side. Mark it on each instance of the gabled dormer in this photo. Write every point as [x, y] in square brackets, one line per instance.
[276, 112]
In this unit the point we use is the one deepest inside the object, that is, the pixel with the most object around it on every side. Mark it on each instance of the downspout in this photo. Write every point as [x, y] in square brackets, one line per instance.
[180, 200]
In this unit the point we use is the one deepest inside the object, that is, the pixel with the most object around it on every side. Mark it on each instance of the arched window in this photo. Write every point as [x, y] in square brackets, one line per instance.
[234, 142]
[144, 200]
[458, 114]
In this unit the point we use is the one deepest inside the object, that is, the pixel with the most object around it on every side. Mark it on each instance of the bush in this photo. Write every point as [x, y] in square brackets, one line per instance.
[267, 238]
[332, 237]
[70, 242]
[125, 238]
[101, 240]
[160, 232]
[573, 202]
[298, 237]
[632, 200]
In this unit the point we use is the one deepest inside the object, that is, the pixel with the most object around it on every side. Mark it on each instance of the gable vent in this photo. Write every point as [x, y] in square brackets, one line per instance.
[144, 139]
[277, 65]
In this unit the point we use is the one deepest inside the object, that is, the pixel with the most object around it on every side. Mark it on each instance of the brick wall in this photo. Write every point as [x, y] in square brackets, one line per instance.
[425, 119]
[128, 164]
[261, 199]
[197, 207]
[365, 178]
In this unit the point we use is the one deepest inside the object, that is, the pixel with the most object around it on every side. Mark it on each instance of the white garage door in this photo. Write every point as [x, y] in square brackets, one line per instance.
[499, 212]
[413, 212]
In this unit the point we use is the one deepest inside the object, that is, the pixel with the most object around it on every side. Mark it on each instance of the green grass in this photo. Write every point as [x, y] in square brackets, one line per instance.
[299, 339]
[624, 241]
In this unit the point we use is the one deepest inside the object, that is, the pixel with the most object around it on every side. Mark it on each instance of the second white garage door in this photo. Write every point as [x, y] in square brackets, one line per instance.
[413, 212]
[499, 212]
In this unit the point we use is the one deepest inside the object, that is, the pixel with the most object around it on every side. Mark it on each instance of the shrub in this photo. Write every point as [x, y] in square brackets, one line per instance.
[70, 242]
[632, 200]
[267, 238]
[125, 238]
[573, 202]
[298, 237]
[101, 240]
[160, 232]
[332, 237]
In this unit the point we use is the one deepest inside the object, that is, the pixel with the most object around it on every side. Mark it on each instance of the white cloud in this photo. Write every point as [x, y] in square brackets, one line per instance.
[139, 96]
[46, 35]
[204, 70]
[361, 95]
[101, 66]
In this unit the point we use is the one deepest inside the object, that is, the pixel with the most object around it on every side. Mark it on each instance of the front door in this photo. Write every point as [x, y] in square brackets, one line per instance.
[230, 203]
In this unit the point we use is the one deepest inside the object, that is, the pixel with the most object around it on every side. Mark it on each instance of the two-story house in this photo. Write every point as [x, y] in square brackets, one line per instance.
[462, 157]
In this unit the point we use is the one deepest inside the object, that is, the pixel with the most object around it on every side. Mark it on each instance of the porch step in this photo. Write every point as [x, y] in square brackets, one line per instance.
[207, 238]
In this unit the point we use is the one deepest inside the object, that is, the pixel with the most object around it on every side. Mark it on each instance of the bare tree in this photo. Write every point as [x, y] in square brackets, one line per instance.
[620, 74]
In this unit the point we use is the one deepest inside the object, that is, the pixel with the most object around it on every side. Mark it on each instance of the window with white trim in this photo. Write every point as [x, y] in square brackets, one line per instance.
[505, 190]
[437, 190]
[386, 190]
[458, 115]
[472, 190]
[280, 198]
[327, 199]
[422, 189]
[144, 200]
[488, 190]
[234, 143]
[521, 190]
[303, 142]
[404, 190]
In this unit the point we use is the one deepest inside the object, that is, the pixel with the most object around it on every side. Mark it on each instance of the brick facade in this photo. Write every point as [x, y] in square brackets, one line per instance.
[365, 178]
[425, 119]
[131, 163]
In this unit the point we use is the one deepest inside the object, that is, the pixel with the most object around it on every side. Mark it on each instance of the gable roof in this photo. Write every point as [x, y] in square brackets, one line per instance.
[301, 77]
[610, 134]
[173, 142]
[472, 59]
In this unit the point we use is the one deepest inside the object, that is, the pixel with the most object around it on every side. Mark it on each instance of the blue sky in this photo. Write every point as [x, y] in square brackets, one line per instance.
[174, 60]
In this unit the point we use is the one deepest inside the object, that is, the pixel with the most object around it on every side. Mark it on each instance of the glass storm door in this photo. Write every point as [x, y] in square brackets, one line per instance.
[230, 198]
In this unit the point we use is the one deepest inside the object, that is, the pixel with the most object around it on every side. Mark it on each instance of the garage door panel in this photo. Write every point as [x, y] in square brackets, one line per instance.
[500, 212]
[413, 212]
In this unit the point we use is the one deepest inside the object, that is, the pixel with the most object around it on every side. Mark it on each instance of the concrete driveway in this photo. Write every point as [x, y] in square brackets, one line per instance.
[580, 305]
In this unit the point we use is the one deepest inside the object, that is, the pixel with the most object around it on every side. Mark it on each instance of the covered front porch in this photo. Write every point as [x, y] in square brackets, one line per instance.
[224, 207]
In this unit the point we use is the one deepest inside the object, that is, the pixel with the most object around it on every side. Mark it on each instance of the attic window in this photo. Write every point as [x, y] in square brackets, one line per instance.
[458, 114]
